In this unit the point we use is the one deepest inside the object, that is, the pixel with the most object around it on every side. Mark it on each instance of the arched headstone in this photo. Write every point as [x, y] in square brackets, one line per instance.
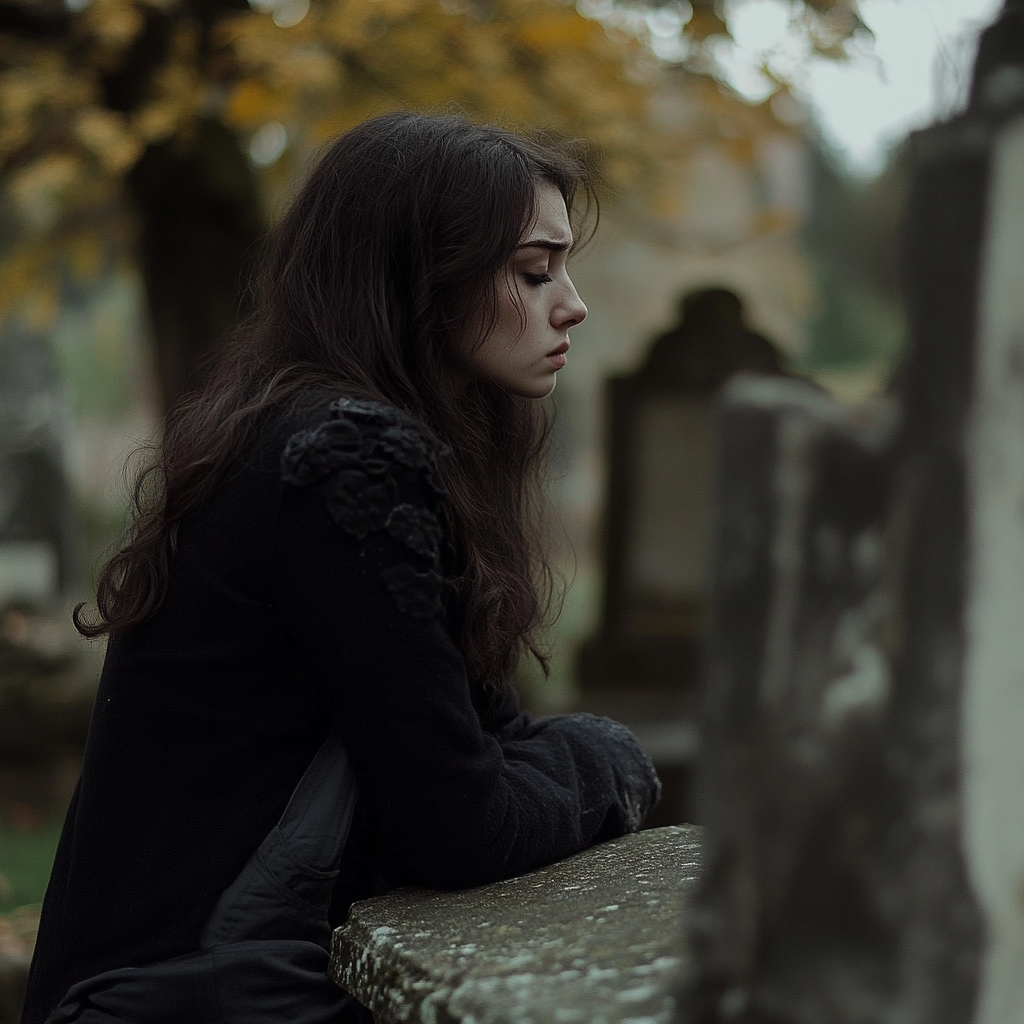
[643, 664]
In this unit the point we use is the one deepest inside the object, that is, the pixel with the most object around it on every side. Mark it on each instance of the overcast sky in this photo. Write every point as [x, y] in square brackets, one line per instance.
[915, 68]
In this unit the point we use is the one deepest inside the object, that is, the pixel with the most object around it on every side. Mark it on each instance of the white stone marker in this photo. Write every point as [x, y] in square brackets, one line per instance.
[993, 708]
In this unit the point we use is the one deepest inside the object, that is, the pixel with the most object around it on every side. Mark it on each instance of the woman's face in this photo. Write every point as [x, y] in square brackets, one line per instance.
[537, 304]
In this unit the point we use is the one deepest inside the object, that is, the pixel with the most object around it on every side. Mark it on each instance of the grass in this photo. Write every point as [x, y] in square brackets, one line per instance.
[27, 847]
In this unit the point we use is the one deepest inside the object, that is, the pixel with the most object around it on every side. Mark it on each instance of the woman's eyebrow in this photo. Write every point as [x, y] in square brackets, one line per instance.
[545, 243]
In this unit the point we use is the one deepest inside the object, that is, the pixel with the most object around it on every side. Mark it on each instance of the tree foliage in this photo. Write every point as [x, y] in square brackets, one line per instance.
[112, 110]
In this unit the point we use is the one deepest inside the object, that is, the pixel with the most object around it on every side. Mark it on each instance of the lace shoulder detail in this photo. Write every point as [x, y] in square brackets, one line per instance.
[357, 458]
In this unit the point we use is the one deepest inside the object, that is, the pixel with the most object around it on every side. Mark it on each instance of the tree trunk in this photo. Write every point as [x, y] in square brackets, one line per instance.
[199, 223]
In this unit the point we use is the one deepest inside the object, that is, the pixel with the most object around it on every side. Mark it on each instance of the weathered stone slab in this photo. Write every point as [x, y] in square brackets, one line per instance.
[595, 939]
[792, 922]
[863, 713]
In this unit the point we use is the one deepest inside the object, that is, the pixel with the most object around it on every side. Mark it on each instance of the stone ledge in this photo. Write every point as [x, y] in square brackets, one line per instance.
[594, 939]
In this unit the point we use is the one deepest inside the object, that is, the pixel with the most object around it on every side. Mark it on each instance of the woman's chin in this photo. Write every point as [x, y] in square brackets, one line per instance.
[539, 388]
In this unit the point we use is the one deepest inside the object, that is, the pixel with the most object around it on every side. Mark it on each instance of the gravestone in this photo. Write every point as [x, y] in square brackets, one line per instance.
[861, 779]
[661, 457]
[643, 664]
[46, 695]
[593, 939]
[38, 532]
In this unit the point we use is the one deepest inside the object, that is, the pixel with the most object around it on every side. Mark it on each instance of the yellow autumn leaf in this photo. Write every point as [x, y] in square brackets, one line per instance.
[312, 69]
[41, 189]
[17, 272]
[40, 305]
[107, 134]
[157, 122]
[85, 254]
[114, 23]
[250, 104]
[558, 30]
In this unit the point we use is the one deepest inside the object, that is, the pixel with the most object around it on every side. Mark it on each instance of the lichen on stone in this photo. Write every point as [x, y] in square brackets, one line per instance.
[532, 959]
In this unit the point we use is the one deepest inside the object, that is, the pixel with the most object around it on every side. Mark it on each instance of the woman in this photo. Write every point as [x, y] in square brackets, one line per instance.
[336, 553]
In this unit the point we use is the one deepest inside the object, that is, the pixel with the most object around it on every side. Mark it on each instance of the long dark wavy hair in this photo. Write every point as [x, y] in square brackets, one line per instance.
[391, 252]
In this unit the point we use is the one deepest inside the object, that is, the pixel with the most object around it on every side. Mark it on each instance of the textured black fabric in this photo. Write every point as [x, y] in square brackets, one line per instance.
[292, 608]
[240, 983]
[264, 949]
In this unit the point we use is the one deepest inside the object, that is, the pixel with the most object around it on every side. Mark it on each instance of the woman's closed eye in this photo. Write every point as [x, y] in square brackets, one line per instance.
[544, 278]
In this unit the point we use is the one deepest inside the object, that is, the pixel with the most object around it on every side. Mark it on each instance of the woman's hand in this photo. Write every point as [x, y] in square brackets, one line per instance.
[639, 788]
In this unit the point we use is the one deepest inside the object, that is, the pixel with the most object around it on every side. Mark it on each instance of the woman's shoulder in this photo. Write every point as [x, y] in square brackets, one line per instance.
[327, 435]
[373, 470]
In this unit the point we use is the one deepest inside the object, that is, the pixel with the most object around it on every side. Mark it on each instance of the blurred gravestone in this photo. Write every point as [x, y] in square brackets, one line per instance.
[38, 536]
[643, 664]
[861, 783]
[46, 687]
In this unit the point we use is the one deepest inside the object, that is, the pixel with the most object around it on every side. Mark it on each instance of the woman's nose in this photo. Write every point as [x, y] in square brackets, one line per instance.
[570, 312]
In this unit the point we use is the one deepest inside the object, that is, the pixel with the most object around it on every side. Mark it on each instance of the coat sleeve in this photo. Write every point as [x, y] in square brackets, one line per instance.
[362, 594]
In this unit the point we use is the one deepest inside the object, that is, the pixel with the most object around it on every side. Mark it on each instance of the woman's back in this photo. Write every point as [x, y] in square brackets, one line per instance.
[203, 724]
[288, 615]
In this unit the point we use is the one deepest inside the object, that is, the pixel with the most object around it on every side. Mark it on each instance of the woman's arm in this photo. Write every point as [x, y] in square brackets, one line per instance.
[361, 592]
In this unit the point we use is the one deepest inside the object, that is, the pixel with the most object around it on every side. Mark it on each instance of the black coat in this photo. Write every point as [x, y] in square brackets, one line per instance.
[309, 593]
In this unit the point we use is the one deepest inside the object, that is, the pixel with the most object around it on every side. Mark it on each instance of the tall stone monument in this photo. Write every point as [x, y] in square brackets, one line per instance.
[862, 776]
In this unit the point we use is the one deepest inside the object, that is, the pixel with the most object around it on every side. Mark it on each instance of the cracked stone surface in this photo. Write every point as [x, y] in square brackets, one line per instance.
[594, 939]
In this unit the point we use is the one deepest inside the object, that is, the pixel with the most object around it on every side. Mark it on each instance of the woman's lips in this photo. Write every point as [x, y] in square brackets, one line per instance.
[558, 357]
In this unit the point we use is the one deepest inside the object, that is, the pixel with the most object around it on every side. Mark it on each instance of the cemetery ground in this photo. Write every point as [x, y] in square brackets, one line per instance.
[28, 841]
[47, 684]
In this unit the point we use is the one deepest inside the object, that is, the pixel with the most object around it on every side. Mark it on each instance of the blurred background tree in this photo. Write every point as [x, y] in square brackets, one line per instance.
[166, 132]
